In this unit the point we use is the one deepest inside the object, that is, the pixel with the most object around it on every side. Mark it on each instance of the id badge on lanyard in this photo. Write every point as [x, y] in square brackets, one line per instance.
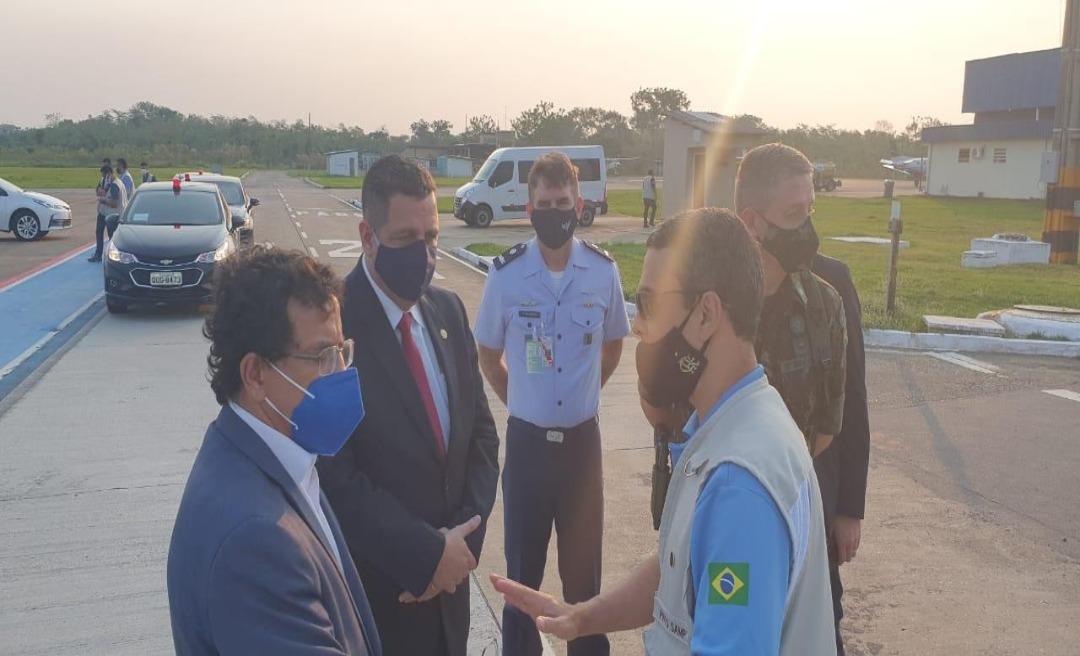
[539, 355]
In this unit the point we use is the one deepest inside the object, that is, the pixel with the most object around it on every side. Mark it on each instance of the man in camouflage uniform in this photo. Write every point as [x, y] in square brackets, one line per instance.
[802, 340]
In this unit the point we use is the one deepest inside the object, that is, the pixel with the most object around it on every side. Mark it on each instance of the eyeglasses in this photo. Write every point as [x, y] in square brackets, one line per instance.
[645, 300]
[331, 359]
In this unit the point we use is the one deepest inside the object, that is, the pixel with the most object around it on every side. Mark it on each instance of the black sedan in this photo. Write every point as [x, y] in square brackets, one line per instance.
[165, 244]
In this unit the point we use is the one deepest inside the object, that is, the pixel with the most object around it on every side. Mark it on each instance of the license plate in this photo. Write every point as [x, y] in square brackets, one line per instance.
[166, 278]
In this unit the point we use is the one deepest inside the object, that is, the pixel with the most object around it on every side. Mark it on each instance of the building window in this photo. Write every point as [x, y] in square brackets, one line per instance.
[999, 156]
[965, 156]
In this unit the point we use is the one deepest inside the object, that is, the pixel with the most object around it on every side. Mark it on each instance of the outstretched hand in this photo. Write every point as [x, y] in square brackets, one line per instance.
[552, 616]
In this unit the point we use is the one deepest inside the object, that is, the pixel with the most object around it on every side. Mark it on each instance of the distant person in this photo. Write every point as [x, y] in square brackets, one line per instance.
[741, 566]
[648, 198]
[415, 484]
[257, 562]
[147, 175]
[102, 186]
[112, 199]
[125, 176]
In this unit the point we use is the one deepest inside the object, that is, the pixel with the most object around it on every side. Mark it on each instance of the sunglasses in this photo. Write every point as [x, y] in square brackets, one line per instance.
[645, 300]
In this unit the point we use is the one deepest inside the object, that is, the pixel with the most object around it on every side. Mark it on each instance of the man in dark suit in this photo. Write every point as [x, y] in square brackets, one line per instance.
[842, 468]
[258, 563]
[414, 485]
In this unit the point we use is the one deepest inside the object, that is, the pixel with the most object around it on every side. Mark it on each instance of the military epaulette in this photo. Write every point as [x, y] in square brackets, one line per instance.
[508, 256]
[599, 251]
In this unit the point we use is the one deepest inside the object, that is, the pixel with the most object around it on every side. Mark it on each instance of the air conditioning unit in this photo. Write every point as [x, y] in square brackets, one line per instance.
[977, 152]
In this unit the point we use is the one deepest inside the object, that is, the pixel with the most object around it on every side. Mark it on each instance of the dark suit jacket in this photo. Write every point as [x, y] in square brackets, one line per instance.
[842, 468]
[248, 571]
[388, 486]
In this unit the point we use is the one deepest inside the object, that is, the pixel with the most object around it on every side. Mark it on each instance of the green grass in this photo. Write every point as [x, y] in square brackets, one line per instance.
[930, 279]
[628, 202]
[35, 177]
[344, 182]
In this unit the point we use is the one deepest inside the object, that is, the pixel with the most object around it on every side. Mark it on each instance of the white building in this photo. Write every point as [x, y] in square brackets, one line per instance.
[343, 162]
[1001, 154]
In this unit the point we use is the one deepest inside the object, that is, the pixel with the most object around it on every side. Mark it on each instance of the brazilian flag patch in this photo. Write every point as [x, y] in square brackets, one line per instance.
[729, 584]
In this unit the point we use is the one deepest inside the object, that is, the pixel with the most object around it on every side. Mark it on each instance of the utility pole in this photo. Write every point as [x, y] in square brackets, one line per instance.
[1061, 227]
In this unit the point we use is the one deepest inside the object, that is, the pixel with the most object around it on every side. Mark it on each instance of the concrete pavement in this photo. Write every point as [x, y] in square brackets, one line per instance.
[971, 544]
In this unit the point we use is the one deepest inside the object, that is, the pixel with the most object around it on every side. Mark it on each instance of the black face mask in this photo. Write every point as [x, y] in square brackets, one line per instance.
[554, 227]
[794, 248]
[407, 270]
[669, 369]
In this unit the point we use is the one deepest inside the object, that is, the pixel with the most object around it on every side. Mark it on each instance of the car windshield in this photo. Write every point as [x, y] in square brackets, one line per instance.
[10, 188]
[166, 207]
[486, 169]
[233, 193]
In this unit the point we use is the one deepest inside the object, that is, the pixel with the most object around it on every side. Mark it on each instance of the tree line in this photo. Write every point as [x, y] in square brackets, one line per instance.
[165, 137]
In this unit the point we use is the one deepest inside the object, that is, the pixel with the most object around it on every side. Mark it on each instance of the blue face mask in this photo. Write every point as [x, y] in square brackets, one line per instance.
[328, 414]
[407, 270]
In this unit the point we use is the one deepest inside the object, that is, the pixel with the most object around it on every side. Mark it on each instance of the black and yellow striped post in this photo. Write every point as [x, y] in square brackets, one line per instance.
[1061, 228]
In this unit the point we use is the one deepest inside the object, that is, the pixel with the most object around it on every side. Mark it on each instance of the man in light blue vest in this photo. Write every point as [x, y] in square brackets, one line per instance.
[742, 563]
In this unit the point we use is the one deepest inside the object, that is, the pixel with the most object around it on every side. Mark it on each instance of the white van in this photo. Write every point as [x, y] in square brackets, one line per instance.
[500, 189]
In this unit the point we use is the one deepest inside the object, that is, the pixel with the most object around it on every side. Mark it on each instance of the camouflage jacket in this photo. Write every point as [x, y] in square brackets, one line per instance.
[802, 344]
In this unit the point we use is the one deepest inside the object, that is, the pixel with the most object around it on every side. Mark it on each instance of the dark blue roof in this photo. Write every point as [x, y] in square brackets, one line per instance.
[1021, 81]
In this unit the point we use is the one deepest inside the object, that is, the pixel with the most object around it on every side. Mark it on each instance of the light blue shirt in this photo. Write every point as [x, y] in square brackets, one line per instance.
[298, 464]
[129, 183]
[423, 342]
[737, 521]
[577, 314]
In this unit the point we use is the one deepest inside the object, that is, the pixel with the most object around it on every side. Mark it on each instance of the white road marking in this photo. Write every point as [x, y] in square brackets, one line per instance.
[967, 363]
[297, 224]
[303, 235]
[439, 276]
[1064, 394]
[463, 263]
[346, 247]
[22, 357]
[314, 253]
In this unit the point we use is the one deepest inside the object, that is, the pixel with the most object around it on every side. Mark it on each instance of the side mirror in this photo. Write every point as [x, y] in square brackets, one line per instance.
[491, 182]
[253, 202]
[111, 221]
[238, 222]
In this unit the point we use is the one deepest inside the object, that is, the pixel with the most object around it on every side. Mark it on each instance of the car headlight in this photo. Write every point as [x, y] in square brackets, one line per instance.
[117, 255]
[221, 253]
[51, 206]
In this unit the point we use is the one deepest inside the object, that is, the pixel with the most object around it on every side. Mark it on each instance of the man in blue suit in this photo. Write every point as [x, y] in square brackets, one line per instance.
[258, 563]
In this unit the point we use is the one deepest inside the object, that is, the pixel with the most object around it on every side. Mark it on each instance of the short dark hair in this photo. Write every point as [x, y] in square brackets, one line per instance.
[715, 253]
[650, 171]
[105, 168]
[388, 177]
[120, 161]
[762, 169]
[144, 165]
[250, 309]
[556, 170]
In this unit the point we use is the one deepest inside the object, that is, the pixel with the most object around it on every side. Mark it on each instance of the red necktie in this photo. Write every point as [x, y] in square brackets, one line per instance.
[416, 366]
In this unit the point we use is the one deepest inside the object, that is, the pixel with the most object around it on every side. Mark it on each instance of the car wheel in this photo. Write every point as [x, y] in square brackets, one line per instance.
[830, 185]
[26, 226]
[588, 215]
[483, 217]
[115, 306]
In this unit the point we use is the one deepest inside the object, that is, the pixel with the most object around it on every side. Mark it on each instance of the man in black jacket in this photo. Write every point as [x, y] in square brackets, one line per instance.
[414, 485]
[842, 468]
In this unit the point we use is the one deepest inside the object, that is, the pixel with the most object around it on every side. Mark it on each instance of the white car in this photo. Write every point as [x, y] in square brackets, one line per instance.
[29, 214]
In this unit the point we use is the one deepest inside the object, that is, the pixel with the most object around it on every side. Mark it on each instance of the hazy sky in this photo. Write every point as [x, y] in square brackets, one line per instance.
[387, 63]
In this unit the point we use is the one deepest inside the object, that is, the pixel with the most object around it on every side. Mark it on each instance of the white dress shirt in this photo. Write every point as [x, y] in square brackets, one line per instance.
[298, 464]
[422, 339]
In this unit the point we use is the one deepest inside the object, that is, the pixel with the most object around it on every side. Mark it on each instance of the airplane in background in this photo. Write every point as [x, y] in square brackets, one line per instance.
[911, 167]
[613, 163]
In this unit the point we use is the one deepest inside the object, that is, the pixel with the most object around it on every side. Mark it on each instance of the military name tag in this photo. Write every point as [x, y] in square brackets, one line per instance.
[588, 339]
